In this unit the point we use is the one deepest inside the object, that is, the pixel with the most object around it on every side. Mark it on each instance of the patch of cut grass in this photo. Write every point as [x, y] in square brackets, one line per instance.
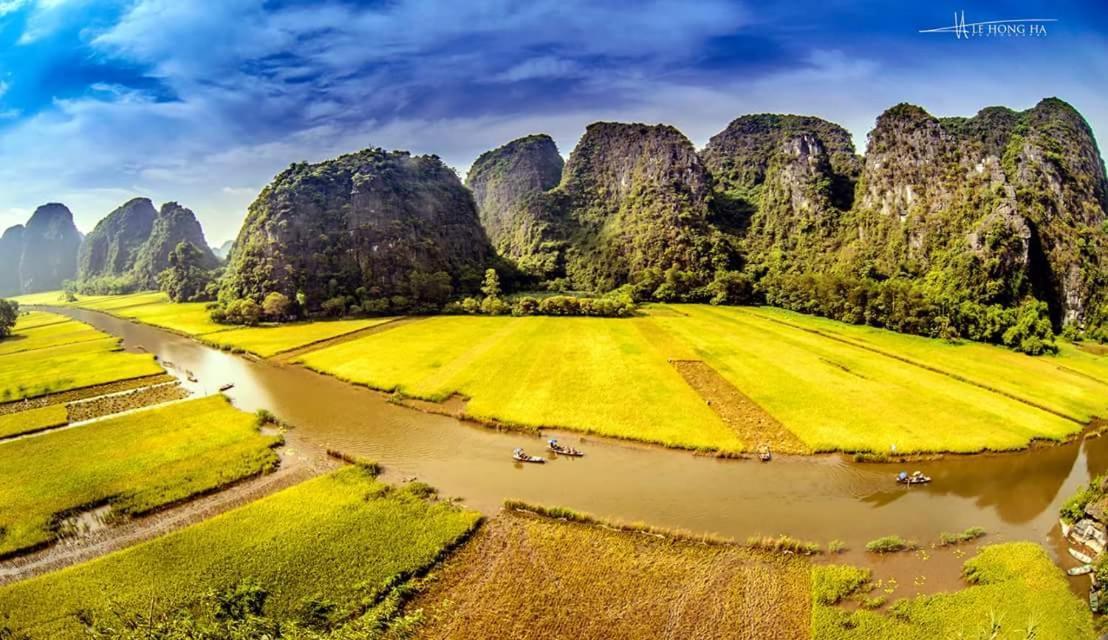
[1014, 588]
[342, 539]
[91, 361]
[14, 424]
[588, 374]
[526, 577]
[138, 462]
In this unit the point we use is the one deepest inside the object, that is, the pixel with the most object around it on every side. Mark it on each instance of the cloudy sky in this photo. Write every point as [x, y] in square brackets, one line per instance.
[204, 101]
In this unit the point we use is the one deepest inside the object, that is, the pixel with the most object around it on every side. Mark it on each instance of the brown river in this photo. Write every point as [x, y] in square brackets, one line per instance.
[820, 498]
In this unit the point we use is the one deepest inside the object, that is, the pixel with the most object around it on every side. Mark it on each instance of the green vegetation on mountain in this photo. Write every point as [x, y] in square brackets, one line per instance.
[112, 247]
[364, 232]
[173, 225]
[46, 248]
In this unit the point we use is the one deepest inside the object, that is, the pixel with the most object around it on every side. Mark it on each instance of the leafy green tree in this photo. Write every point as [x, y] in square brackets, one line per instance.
[9, 313]
[491, 285]
[276, 306]
[433, 288]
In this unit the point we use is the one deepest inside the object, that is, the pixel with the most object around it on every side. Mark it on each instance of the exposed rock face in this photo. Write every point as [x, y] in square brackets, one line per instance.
[112, 247]
[1001, 205]
[173, 225]
[50, 245]
[11, 250]
[366, 220]
[504, 182]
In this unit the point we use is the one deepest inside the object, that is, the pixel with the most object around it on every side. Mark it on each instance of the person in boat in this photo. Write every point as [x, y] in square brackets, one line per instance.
[553, 442]
[518, 452]
[902, 476]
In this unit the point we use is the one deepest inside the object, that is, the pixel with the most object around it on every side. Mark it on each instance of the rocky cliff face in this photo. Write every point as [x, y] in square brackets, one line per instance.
[364, 221]
[505, 183]
[997, 207]
[112, 247]
[11, 250]
[173, 225]
[223, 250]
[50, 245]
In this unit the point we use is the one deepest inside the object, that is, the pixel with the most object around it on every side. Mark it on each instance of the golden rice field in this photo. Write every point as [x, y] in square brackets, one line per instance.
[525, 577]
[14, 424]
[343, 539]
[137, 462]
[591, 374]
[68, 355]
[1016, 593]
[193, 319]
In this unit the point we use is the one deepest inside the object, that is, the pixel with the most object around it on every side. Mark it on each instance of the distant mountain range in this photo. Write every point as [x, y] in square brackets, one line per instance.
[939, 228]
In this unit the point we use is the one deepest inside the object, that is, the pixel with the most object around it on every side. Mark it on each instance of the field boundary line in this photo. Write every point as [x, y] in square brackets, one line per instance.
[349, 336]
[917, 363]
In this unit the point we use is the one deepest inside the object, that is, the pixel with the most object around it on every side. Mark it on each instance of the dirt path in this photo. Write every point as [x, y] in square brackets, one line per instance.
[299, 462]
[751, 422]
[289, 356]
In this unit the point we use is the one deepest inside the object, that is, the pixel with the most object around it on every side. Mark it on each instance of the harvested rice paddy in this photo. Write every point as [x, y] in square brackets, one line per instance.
[526, 576]
[1016, 593]
[342, 539]
[137, 462]
[590, 374]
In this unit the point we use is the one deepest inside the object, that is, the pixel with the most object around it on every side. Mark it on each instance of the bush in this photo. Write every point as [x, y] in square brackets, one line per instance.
[9, 314]
[1073, 509]
[948, 539]
[890, 544]
[334, 307]
[277, 306]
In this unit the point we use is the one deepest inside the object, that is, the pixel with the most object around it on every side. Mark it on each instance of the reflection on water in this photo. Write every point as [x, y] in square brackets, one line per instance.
[1013, 496]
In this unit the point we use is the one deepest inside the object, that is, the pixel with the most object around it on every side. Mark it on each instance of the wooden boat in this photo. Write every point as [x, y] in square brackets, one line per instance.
[1080, 557]
[764, 454]
[915, 478]
[563, 450]
[519, 456]
[227, 387]
[190, 376]
[1080, 571]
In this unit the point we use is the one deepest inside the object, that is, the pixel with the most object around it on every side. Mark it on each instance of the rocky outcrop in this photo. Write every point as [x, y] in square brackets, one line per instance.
[50, 245]
[112, 247]
[505, 183]
[11, 250]
[360, 225]
[224, 250]
[173, 225]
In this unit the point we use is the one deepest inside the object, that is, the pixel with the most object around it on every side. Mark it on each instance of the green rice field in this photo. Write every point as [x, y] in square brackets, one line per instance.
[14, 424]
[342, 539]
[1017, 593]
[137, 462]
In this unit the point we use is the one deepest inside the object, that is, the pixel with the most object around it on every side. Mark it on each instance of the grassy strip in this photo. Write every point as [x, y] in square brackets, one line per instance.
[37, 330]
[85, 393]
[138, 462]
[332, 546]
[969, 535]
[891, 544]
[48, 417]
[1016, 593]
[530, 578]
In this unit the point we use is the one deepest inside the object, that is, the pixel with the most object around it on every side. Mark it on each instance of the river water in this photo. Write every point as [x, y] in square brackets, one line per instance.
[1013, 496]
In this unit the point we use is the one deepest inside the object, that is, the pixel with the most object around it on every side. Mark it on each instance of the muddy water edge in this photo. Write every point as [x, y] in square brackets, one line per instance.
[1013, 496]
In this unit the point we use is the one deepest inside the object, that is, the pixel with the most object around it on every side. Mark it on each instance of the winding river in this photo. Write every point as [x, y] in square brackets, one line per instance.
[1013, 496]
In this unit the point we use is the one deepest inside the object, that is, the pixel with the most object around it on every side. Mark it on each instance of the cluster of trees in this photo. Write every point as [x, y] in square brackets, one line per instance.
[105, 285]
[9, 314]
[614, 305]
[905, 306]
[186, 279]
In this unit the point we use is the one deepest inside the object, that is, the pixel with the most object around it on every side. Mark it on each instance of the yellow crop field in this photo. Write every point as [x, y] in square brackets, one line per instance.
[589, 374]
[342, 539]
[14, 424]
[526, 577]
[137, 462]
[42, 330]
[89, 361]
[834, 395]
[267, 341]
[1016, 593]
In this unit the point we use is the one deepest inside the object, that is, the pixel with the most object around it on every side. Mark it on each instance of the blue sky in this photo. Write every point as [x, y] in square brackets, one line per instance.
[203, 102]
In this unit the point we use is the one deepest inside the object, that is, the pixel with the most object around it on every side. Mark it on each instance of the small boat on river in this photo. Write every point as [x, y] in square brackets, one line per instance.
[563, 450]
[915, 477]
[227, 387]
[519, 456]
[1080, 571]
[1080, 557]
[764, 454]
